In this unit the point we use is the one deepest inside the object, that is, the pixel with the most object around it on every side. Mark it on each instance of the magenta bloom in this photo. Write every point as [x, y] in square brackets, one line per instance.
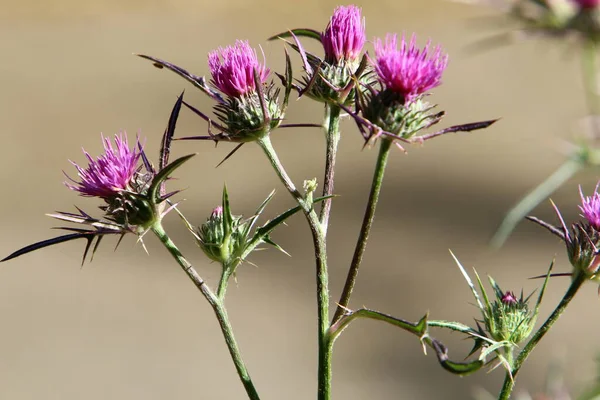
[232, 69]
[110, 173]
[344, 36]
[588, 4]
[408, 71]
[590, 207]
[509, 298]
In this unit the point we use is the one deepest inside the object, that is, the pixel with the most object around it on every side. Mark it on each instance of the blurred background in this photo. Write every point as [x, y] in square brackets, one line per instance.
[131, 326]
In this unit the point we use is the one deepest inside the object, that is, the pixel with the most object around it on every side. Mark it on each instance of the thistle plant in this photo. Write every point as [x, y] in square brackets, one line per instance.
[386, 94]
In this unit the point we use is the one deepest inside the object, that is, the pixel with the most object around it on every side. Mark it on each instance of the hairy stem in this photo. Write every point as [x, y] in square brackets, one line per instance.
[332, 118]
[324, 370]
[223, 281]
[363, 237]
[217, 306]
[509, 380]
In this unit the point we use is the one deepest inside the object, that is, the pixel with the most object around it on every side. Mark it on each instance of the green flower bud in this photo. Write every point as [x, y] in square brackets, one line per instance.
[510, 319]
[218, 241]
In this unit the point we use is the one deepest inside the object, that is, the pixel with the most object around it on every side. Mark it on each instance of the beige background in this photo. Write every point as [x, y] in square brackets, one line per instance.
[131, 326]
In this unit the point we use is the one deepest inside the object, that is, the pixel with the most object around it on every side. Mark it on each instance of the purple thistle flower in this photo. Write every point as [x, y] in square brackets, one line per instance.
[590, 207]
[110, 173]
[344, 36]
[587, 4]
[232, 69]
[408, 71]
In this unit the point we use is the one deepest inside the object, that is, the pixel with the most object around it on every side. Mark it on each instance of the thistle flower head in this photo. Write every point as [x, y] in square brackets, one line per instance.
[344, 37]
[510, 318]
[590, 208]
[221, 238]
[408, 71]
[109, 174]
[587, 4]
[232, 69]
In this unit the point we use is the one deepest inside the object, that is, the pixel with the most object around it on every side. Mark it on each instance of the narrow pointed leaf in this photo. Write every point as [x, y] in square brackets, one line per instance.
[198, 81]
[486, 300]
[288, 81]
[543, 290]
[164, 174]
[165, 148]
[468, 279]
[266, 229]
[227, 215]
[309, 33]
[460, 128]
[259, 210]
[89, 236]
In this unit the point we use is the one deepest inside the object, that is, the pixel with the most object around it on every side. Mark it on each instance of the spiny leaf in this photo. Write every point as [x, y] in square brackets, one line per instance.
[227, 215]
[164, 174]
[198, 81]
[169, 133]
[468, 279]
[543, 290]
[309, 33]
[259, 210]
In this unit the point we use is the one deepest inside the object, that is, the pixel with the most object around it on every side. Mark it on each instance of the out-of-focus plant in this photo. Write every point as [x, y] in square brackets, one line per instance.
[575, 21]
[387, 96]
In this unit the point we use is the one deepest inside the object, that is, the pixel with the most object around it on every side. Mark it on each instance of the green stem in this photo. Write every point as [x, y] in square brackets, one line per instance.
[324, 370]
[217, 306]
[509, 380]
[333, 139]
[223, 281]
[363, 237]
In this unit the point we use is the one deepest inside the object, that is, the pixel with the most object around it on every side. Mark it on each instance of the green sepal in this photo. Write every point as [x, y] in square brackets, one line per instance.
[227, 215]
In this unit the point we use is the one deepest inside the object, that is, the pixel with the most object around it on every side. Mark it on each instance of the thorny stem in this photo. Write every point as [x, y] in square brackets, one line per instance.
[361, 244]
[324, 370]
[509, 380]
[217, 306]
[332, 118]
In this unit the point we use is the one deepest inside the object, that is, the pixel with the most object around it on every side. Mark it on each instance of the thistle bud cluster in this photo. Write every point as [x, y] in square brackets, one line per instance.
[510, 318]
[221, 238]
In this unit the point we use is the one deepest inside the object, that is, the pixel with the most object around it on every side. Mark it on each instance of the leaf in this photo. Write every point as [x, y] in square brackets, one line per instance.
[163, 174]
[469, 282]
[454, 367]
[288, 82]
[309, 33]
[227, 215]
[266, 229]
[165, 148]
[198, 81]
[252, 220]
[542, 291]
